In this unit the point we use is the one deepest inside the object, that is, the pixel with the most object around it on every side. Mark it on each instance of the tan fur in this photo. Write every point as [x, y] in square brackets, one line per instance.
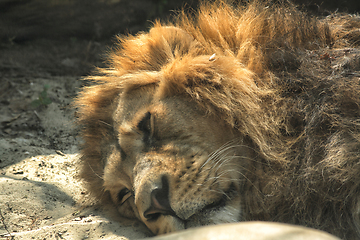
[242, 113]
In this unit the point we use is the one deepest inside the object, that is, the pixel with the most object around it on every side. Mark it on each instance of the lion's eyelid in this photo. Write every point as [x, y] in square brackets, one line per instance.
[124, 195]
[147, 126]
[125, 198]
[145, 123]
[152, 125]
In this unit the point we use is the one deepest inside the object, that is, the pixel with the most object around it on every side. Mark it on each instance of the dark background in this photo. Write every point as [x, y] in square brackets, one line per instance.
[22, 20]
[68, 37]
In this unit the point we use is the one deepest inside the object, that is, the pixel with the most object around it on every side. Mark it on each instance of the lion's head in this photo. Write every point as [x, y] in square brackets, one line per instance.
[163, 161]
[191, 124]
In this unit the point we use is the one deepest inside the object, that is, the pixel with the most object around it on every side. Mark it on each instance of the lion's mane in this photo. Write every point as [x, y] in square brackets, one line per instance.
[268, 76]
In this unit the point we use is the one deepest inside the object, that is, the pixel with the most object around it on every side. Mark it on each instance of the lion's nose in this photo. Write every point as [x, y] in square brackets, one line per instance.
[160, 204]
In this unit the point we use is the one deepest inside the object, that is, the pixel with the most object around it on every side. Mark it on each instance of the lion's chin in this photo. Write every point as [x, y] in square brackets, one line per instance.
[207, 216]
[165, 224]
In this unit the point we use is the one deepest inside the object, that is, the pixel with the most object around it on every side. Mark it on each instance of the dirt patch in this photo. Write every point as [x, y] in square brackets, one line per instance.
[40, 196]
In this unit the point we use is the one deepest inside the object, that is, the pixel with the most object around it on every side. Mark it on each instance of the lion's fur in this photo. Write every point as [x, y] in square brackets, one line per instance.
[264, 81]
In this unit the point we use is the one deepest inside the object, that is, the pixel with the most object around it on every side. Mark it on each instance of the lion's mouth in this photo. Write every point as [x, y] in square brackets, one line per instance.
[154, 215]
[209, 211]
[215, 205]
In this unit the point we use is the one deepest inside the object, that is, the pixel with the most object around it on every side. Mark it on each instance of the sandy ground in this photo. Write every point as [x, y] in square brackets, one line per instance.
[40, 197]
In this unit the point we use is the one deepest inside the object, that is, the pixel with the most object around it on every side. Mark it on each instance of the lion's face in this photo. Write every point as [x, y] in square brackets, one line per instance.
[172, 165]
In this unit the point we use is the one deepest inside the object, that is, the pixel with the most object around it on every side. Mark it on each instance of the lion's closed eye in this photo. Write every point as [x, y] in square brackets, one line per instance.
[124, 195]
[146, 126]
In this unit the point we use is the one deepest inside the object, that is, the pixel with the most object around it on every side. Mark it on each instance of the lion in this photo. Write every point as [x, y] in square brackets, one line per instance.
[235, 113]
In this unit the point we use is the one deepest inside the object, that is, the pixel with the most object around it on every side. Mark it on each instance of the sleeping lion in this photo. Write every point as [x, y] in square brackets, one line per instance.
[236, 113]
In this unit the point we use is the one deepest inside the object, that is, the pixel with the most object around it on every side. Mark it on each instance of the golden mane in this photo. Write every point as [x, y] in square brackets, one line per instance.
[243, 64]
[236, 81]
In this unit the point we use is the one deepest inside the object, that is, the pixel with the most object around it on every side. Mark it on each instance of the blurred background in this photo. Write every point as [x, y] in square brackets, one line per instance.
[68, 37]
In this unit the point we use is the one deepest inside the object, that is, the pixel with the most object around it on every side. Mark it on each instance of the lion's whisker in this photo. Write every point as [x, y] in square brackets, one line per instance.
[95, 172]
